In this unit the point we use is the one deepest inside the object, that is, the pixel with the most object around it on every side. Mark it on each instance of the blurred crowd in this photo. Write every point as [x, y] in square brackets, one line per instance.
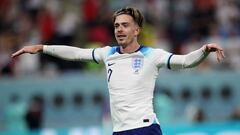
[178, 26]
[18, 116]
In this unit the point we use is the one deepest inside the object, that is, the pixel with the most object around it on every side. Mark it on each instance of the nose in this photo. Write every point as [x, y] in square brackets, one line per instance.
[119, 29]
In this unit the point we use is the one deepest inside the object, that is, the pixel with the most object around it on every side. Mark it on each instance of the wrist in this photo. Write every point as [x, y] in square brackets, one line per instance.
[40, 48]
[205, 48]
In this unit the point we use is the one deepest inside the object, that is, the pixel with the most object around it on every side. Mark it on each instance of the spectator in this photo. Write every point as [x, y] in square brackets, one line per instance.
[34, 114]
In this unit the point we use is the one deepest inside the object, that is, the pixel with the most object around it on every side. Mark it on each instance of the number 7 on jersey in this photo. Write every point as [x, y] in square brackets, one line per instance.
[109, 74]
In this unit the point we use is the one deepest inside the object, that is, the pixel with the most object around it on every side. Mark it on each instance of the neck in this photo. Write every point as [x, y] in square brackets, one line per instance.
[129, 48]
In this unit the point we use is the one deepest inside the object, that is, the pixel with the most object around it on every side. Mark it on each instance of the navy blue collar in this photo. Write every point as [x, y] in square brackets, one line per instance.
[119, 50]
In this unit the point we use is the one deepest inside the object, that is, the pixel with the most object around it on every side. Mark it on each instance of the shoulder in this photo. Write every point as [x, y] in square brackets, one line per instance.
[107, 50]
[104, 49]
[146, 51]
[111, 50]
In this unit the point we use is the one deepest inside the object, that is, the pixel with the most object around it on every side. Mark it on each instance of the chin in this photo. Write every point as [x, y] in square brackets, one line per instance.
[121, 43]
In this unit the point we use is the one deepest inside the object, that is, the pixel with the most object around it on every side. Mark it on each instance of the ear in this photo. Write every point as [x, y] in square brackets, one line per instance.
[137, 31]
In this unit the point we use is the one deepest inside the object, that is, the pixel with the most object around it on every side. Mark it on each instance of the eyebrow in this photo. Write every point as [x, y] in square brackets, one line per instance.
[123, 23]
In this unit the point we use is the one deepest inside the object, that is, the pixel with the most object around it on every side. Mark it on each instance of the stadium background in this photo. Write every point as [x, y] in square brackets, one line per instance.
[40, 94]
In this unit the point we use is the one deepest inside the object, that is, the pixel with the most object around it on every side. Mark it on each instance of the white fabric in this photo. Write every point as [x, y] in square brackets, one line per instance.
[68, 52]
[131, 78]
[189, 60]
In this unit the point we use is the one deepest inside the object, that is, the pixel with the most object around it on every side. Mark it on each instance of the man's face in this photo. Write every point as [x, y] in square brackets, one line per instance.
[125, 30]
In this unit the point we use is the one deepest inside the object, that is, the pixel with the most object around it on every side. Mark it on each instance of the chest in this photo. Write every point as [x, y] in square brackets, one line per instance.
[128, 67]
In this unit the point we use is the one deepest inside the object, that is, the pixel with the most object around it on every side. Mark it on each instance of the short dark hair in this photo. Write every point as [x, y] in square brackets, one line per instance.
[133, 12]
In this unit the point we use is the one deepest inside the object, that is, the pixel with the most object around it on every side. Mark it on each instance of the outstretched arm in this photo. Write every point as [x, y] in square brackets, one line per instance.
[195, 58]
[60, 51]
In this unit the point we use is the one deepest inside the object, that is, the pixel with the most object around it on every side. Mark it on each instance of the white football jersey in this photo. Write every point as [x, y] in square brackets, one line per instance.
[131, 80]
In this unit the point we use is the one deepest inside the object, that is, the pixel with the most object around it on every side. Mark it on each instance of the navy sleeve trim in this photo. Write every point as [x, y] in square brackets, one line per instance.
[168, 62]
[94, 56]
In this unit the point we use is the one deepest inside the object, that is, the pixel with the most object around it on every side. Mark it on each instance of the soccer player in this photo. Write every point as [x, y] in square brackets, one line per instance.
[131, 69]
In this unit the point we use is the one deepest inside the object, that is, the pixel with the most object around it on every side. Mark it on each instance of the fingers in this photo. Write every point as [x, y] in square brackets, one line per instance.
[216, 48]
[17, 53]
[213, 47]
[28, 49]
[220, 55]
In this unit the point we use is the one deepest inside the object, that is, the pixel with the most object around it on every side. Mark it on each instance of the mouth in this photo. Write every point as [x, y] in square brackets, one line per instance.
[121, 36]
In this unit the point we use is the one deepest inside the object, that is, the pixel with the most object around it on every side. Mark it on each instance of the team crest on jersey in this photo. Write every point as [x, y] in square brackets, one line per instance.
[137, 64]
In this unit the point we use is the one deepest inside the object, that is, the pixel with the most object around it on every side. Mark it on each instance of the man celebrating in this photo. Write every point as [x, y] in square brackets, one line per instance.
[131, 71]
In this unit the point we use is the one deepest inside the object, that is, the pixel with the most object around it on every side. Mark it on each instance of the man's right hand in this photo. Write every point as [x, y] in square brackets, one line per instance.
[28, 49]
